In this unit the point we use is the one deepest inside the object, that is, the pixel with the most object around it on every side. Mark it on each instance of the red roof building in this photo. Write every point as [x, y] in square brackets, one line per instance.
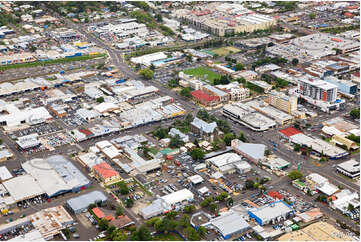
[275, 195]
[350, 15]
[99, 213]
[106, 173]
[288, 132]
[121, 222]
[109, 217]
[204, 98]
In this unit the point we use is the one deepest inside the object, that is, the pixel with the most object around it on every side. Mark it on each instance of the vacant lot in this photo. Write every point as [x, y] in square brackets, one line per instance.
[226, 50]
[203, 73]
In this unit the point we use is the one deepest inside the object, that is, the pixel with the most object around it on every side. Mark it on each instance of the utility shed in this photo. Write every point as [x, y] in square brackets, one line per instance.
[80, 204]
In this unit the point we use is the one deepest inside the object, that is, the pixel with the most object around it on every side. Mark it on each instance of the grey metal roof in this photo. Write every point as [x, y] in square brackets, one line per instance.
[83, 201]
[229, 223]
[254, 150]
[204, 126]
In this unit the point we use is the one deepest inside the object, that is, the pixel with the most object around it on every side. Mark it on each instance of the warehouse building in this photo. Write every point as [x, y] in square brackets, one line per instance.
[228, 163]
[228, 224]
[253, 152]
[80, 204]
[271, 213]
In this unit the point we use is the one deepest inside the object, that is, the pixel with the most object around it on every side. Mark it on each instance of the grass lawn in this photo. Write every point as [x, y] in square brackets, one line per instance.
[201, 72]
[168, 237]
[153, 150]
[225, 50]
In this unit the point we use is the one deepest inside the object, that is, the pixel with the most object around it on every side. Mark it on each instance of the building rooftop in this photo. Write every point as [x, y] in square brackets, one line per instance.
[105, 170]
[352, 166]
[204, 126]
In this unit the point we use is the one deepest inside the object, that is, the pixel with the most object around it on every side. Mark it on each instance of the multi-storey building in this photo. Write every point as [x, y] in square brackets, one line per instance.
[282, 102]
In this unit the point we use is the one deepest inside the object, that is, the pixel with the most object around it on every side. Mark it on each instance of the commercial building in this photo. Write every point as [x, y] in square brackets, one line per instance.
[18, 192]
[350, 168]
[282, 102]
[5, 174]
[271, 213]
[28, 141]
[228, 163]
[247, 117]
[343, 199]
[80, 204]
[15, 116]
[320, 231]
[51, 221]
[343, 86]
[195, 180]
[224, 19]
[318, 145]
[213, 91]
[267, 110]
[253, 152]
[106, 173]
[317, 89]
[312, 47]
[228, 224]
[344, 142]
[56, 175]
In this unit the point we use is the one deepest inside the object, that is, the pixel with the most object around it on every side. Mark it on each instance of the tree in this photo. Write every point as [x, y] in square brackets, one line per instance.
[355, 114]
[100, 99]
[192, 234]
[32, 48]
[147, 73]
[222, 196]
[159, 17]
[160, 132]
[312, 15]
[202, 230]
[197, 154]
[297, 147]
[228, 138]
[129, 203]
[239, 67]
[294, 62]
[138, 66]
[295, 174]
[350, 207]
[123, 188]
[267, 152]
[141, 234]
[186, 92]
[119, 211]
[249, 184]
[152, 67]
[213, 207]
[241, 80]
[189, 208]
[206, 202]
[171, 214]
[176, 142]
[242, 137]
[103, 224]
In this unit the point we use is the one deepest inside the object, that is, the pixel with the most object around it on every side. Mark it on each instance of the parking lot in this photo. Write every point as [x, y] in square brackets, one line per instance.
[40, 129]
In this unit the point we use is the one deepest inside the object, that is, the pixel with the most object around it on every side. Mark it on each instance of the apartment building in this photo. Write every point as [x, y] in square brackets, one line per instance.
[282, 102]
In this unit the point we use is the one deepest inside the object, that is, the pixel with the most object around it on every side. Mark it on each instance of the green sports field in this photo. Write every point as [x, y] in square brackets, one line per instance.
[203, 72]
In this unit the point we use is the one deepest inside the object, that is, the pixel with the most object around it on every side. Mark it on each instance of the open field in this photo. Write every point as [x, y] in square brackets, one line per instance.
[225, 50]
[201, 72]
